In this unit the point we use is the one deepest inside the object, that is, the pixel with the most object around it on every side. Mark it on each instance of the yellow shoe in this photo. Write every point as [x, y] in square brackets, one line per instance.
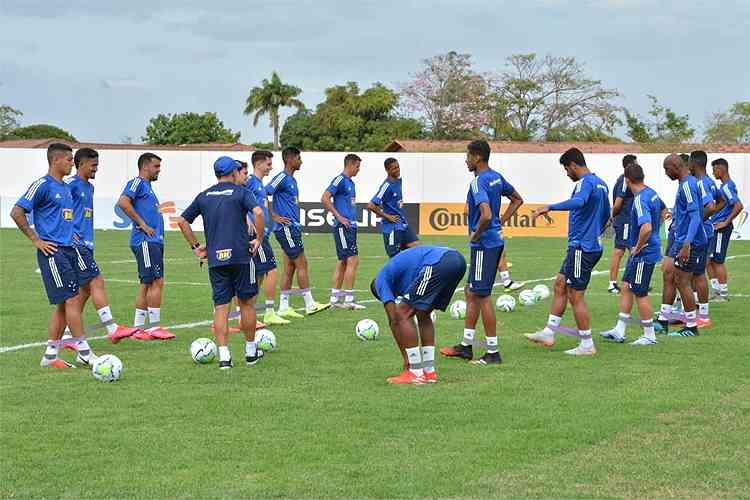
[289, 314]
[316, 308]
[271, 318]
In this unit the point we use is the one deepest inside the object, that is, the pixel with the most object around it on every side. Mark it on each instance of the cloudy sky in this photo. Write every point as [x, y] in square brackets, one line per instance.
[102, 68]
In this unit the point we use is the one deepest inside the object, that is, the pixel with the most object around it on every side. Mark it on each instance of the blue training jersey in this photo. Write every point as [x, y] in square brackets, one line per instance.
[344, 196]
[646, 209]
[82, 192]
[728, 191]
[255, 186]
[146, 205]
[487, 187]
[224, 208]
[283, 188]
[709, 193]
[688, 209]
[622, 190]
[397, 275]
[390, 198]
[589, 212]
[51, 205]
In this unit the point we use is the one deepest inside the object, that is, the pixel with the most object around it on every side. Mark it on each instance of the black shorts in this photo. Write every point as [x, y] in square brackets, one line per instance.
[720, 244]
[435, 285]
[398, 239]
[233, 280]
[483, 269]
[290, 240]
[696, 263]
[577, 267]
[59, 274]
[622, 233]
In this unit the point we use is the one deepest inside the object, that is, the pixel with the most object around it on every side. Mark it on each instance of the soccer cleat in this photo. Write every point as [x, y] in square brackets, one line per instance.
[703, 322]
[352, 306]
[430, 377]
[251, 360]
[614, 289]
[582, 351]
[160, 333]
[290, 313]
[86, 360]
[271, 318]
[489, 358]
[720, 298]
[225, 365]
[643, 340]
[458, 351]
[142, 335]
[661, 326]
[316, 308]
[688, 331]
[613, 336]
[542, 338]
[55, 363]
[70, 344]
[121, 333]
[512, 285]
[406, 377]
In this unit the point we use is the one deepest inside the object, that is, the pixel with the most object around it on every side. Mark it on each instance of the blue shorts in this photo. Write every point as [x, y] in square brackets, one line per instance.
[720, 244]
[264, 258]
[483, 269]
[86, 265]
[398, 239]
[346, 241]
[59, 274]
[150, 258]
[622, 233]
[696, 263]
[638, 275]
[577, 267]
[435, 285]
[233, 280]
[290, 240]
[670, 242]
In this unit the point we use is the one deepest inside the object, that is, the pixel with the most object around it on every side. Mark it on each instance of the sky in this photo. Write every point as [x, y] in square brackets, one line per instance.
[102, 68]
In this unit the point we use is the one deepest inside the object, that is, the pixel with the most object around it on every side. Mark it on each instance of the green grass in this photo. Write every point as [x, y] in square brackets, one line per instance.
[316, 418]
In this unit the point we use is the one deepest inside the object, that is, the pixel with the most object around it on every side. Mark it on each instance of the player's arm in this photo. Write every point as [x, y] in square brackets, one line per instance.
[484, 219]
[737, 208]
[126, 204]
[378, 210]
[327, 202]
[577, 201]
[617, 206]
[515, 202]
[643, 235]
[259, 224]
[183, 222]
[18, 215]
[284, 221]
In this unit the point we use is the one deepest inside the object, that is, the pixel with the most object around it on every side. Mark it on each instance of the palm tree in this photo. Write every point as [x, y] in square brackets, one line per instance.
[268, 98]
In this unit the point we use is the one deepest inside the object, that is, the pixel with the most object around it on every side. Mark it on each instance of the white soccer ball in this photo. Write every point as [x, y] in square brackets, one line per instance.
[107, 368]
[203, 350]
[458, 309]
[266, 340]
[505, 303]
[528, 297]
[542, 291]
[367, 329]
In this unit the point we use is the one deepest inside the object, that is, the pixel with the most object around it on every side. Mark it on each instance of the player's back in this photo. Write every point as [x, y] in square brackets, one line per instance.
[647, 206]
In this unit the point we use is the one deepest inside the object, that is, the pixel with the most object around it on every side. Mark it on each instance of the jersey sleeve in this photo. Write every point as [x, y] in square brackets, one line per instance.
[691, 203]
[508, 188]
[706, 197]
[192, 211]
[34, 196]
[642, 207]
[583, 192]
[382, 190]
[134, 188]
[249, 201]
[479, 190]
[278, 183]
[335, 185]
[383, 287]
[621, 188]
[730, 194]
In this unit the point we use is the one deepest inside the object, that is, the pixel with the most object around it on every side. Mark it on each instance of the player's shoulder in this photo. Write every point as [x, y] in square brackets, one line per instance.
[278, 179]
[39, 186]
[337, 180]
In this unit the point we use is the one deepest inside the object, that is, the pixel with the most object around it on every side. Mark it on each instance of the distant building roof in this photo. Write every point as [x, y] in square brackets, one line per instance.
[44, 143]
[425, 146]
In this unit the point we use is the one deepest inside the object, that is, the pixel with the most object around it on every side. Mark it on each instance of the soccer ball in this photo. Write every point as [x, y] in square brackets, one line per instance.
[528, 297]
[266, 340]
[367, 329]
[107, 368]
[203, 351]
[506, 303]
[458, 309]
[542, 291]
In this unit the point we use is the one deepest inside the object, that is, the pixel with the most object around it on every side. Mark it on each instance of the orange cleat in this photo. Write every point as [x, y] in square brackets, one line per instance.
[406, 377]
[259, 325]
[160, 333]
[56, 363]
[430, 377]
[142, 335]
[703, 322]
[121, 333]
[69, 344]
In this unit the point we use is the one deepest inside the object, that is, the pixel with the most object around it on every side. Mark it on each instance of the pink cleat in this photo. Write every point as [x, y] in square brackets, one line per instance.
[69, 344]
[160, 333]
[121, 333]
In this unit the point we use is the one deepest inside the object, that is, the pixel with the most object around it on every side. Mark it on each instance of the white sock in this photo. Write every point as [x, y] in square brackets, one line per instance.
[586, 341]
[665, 309]
[622, 324]
[284, 300]
[140, 317]
[703, 310]
[491, 344]
[269, 306]
[415, 360]
[695, 296]
[83, 345]
[468, 337]
[552, 320]
[154, 314]
[67, 334]
[648, 329]
[612, 284]
[504, 276]
[428, 358]
[309, 301]
[224, 354]
[349, 296]
[723, 289]
[714, 283]
[690, 318]
[105, 314]
[251, 348]
[334, 295]
[52, 348]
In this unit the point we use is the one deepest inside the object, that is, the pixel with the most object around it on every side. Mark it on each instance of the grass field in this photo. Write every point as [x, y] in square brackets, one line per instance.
[317, 419]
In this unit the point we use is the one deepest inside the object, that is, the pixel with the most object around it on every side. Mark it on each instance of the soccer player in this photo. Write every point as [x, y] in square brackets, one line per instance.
[722, 221]
[588, 215]
[139, 202]
[689, 246]
[504, 269]
[264, 259]
[425, 277]
[340, 198]
[225, 207]
[388, 204]
[644, 243]
[284, 211]
[50, 201]
[622, 201]
[486, 245]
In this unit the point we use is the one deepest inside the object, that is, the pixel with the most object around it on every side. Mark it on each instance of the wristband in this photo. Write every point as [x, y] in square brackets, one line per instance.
[196, 245]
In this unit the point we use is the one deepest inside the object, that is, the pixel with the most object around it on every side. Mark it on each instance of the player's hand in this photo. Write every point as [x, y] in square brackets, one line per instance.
[147, 229]
[668, 215]
[254, 246]
[392, 218]
[540, 211]
[473, 236]
[721, 225]
[284, 221]
[47, 247]
[636, 250]
[201, 252]
[343, 221]
[684, 254]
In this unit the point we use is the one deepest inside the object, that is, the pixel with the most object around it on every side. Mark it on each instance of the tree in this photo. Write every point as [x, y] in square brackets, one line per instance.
[9, 120]
[188, 128]
[350, 120]
[40, 131]
[731, 126]
[665, 126]
[449, 96]
[268, 98]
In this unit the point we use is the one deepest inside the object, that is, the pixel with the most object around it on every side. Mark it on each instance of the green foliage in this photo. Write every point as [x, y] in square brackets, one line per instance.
[188, 128]
[732, 126]
[263, 145]
[268, 98]
[40, 131]
[9, 120]
[350, 121]
[665, 126]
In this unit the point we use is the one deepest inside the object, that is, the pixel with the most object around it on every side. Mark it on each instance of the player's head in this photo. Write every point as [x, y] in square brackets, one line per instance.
[673, 166]
[351, 164]
[477, 154]
[721, 168]
[60, 158]
[574, 163]
[633, 175]
[292, 158]
[697, 162]
[685, 159]
[228, 169]
[87, 163]
[392, 168]
[628, 159]
[374, 290]
[242, 173]
[262, 162]
[149, 166]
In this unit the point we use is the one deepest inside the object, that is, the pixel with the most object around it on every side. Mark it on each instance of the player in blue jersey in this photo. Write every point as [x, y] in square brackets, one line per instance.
[425, 278]
[340, 199]
[486, 245]
[139, 202]
[622, 201]
[723, 227]
[589, 213]
[688, 248]
[644, 242]
[229, 251]
[284, 211]
[388, 204]
[51, 205]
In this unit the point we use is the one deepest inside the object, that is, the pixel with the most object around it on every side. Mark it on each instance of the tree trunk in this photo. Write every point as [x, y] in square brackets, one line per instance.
[275, 122]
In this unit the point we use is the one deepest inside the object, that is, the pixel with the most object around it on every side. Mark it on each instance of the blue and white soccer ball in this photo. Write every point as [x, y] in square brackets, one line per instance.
[203, 351]
[505, 303]
[528, 297]
[542, 291]
[266, 340]
[367, 329]
[458, 309]
[107, 368]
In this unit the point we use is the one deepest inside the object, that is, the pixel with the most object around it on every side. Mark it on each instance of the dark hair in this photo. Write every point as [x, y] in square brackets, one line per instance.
[289, 153]
[373, 290]
[243, 164]
[351, 158]
[700, 158]
[84, 154]
[720, 162]
[260, 155]
[634, 173]
[480, 148]
[573, 155]
[685, 158]
[389, 161]
[145, 159]
[55, 148]
[628, 159]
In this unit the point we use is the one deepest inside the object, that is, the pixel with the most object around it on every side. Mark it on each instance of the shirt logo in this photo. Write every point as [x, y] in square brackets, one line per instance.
[496, 182]
[224, 254]
[57, 196]
[88, 213]
[67, 213]
[226, 192]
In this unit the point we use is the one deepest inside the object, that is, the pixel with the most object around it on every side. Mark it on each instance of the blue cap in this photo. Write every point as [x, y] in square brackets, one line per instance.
[225, 166]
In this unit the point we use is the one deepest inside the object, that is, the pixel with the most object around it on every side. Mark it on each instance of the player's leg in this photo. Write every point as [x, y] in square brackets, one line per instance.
[464, 349]
[67, 341]
[246, 288]
[668, 294]
[683, 278]
[290, 249]
[141, 304]
[482, 289]
[115, 332]
[700, 286]
[719, 255]
[505, 279]
[639, 288]
[337, 281]
[614, 270]
[222, 291]
[583, 265]
[632, 268]
[546, 336]
[303, 277]
[54, 334]
[407, 238]
[350, 276]
[405, 331]
[427, 340]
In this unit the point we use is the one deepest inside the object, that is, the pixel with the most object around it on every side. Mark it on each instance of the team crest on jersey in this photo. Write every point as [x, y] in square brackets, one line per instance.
[88, 213]
[67, 214]
[225, 254]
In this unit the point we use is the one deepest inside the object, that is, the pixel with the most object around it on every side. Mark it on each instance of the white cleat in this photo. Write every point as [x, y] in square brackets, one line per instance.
[613, 336]
[644, 341]
[582, 351]
[513, 285]
[542, 338]
[353, 306]
[87, 360]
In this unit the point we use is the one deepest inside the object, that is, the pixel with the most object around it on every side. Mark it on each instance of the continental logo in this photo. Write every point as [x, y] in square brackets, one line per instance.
[450, 219]
[67, 214]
